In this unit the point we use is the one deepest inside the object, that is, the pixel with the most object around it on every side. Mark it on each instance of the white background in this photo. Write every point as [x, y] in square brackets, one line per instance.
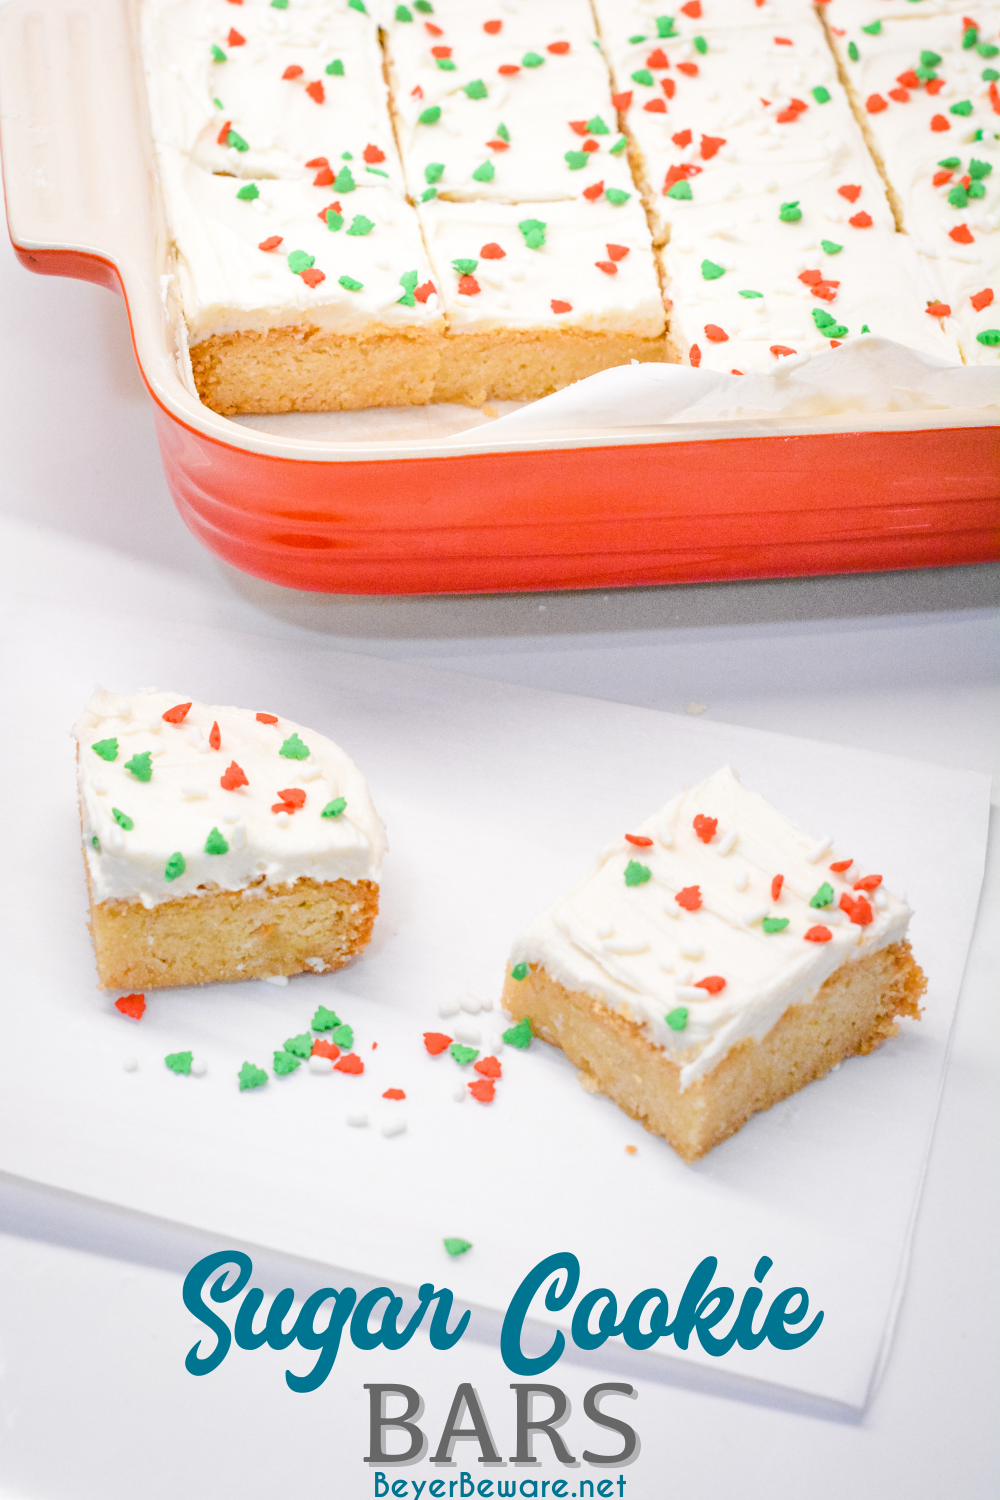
[94, 1400]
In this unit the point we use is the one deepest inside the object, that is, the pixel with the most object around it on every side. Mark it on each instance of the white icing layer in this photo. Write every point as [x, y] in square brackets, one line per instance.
[182, 807]
[639, 950]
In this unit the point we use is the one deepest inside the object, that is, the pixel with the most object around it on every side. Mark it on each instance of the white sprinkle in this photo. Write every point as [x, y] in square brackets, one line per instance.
[191, 793]
[470, 1005]
[147, 900]
[355, 1116]
[157, 749]
[756, 914]
[321, 1065]
[494, 1044]
[818, 850]
[727, 843]
[230, 817]
[689, 992]
[673, 910]
[393, 1127]
[471, 1035]
[692, 950]
[116, 839]
[741, 881]
[199, 1067]
[626, 945]
[459, 1095]
[131, 1064]
[604, 929]
[239, 839]
[100, 787]
[447, 1008]
[486, 1004]
[310, 772]
[685, 975]
[282, 819]
[695, 708]
[667, 966]
[879, 898]
[665, 836]
[275, 979]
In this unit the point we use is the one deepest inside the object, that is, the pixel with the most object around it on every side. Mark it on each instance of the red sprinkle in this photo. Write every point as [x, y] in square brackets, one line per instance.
[559, 48]
[679, 172]
[909, 79]
[292, 71]
[316, 91]
[372, 153]
[267, 718]
[692, 9]
[938, 309]
[423, 292]
[875, 104]
[619, 252]
[861, 220]
[607, 266]
[694, 355]
[640, 839]
[713, 983]
[177, 714]
[850, 191]
[317, 161]
[313, 276]
[995, 97]
[214, 737]
[935, 85]
[394, 1094]
[498, 145]
[657, 59]
[508, 69]
[579, 126]
[939, 122]
[656, 106]
[324, 211]
[961, 234]
[484, 1089]
[688, 68]
[433, 31]
[323, 178]
[840, 865]
[222, 138]
[716, 334]
[901, 95]
[233, 777]
[436, 1042]
[234, 39]
[858, 910]
[776, 885]
[779, 349]
[560, 307]
[132, 1005]
[440, 51]
[818, 935]
[868, 883]
[590, 146]
[622, 101]
[783, 41]
[468, 286]
[681, 138]
[293, 796]
[704, 827]
[271, 243]
[325, 1049]
[349, 1063]
[794, 108]
[492, 27]
[710, 144]
[689, 897]
[982, 299]
[489, 1067]
[493, 251]
[668, 86]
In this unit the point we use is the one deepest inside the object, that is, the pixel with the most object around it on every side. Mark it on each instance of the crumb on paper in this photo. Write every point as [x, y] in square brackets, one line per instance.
[588, 1081]
[694, 708]
[631, 1150]
[489, 411]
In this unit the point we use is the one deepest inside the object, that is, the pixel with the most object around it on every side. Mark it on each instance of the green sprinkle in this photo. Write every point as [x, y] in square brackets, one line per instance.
[299, 1046]
[217, 54]
[680, 190]
[430, 116]
[751, 294]
[286, 1062]
[463, 1055]
[618, 146]
[596, 126]
[324, 1020]
[874, 29]
[774, 924]
[637, 874]
[970, 37]
[218, 103]
[336, 807]
[96, 843]
[335, 68]
[457, 1247]
[790, 213]
[865, 328]
[665, 26]
[677, 1019]
[248, 193]
[976, 190]
[424, 6]
[929, 59]
[700, 45]
[958, 197]
[434, 171]
[635, 40]
[215, 843]
[534, 233]
[298, 261]
[349, 284]
[576, 159]
[293, 748]
[485, 173]
[377, 172]
[834, 331]
[519, 971]
[465, 267]
[852, 51]
[251, 1077]
[427, 194]
[333, 219]
[979, 169]
[122, 819]
[963, 107]
[343, 1035]
[445, 64]
[925, 74]
[711, 271]
[476, 89]
[990, 75]
[175, 866]
[532, 60]
[408, 281]
[402, 14]
[643, 76]
[821, 95]
[822, 318]
[357, 5]
[990, 337]
[106, 749]
[519, 1035]
[617, 196]
[361, 226]
[830, 247]
[951, 162]
[141, 766]
[823, 896]
[279, 4]
[987, 49]
[179, 1062]
[344, 182]
[503, 133]
[236, 140]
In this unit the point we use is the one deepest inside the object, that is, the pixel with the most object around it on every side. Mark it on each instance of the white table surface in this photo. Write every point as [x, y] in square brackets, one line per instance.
[94, 1400]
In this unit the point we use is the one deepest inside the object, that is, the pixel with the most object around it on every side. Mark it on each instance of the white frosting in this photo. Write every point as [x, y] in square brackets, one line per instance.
[518, 290]
[177, 809]
[908, 135]
[638, 950]
[520, 131]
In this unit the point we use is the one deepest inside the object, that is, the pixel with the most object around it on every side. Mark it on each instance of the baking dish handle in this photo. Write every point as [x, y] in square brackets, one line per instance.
[73, 141]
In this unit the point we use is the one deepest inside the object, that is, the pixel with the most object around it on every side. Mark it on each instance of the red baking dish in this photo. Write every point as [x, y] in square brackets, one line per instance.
[743, 499]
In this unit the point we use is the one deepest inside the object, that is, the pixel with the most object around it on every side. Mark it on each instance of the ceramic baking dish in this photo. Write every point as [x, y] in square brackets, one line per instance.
[688, 503]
